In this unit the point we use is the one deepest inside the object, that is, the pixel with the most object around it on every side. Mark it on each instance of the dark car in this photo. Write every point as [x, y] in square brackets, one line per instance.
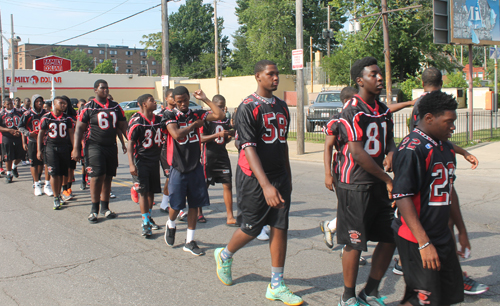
[326, 105]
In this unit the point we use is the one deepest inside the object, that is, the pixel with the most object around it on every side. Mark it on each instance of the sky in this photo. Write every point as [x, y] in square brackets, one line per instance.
[50, 21]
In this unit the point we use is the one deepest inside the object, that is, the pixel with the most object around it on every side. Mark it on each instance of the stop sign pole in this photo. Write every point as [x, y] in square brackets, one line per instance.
[53, 65]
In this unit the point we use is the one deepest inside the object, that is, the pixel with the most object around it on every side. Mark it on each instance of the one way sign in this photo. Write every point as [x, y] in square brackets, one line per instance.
[494, 53]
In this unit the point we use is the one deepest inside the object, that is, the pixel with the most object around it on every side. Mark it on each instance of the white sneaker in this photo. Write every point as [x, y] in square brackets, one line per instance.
[263, 236]
[48, 190]
[38, 190]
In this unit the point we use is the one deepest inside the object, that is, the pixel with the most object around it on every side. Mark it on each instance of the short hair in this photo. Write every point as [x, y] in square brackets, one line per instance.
[347, 93]
[27, 99]
[143, 98]
[218, 98]
[100, 81]
[82, 100]
[261, 65]
[432, 77]
[17, 98]
[168, 92]
[436, 103]
[179, 91]
[64, 98]
[359, 65]
[7, 99]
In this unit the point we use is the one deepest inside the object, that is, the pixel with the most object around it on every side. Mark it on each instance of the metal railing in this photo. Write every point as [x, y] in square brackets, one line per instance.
[486, 126]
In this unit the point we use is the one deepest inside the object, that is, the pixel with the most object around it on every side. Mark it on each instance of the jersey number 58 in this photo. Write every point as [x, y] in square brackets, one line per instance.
[273, 132]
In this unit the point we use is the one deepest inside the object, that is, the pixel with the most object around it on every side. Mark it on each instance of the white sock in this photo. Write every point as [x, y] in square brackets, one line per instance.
[9, 172]
[332, 225]
[170, 223]
[190, 235]
[47, 183]
[164, 202]
[14, 166]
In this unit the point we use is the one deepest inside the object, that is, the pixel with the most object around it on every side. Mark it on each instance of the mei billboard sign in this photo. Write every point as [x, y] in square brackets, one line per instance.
[52, 64]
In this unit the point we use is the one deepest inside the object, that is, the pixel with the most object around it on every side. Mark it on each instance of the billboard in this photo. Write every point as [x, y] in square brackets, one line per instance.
[474, 22]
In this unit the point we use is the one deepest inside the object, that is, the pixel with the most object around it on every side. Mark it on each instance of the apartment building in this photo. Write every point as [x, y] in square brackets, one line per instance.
[125, 60]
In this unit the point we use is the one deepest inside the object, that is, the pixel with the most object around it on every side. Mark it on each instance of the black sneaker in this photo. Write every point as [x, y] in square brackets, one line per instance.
[398, 270]
[193, 248]
[15, 173]
[57, 203]
[169, 236]
[8, 178]
[83, 185]
[146, 230]
[154, 225]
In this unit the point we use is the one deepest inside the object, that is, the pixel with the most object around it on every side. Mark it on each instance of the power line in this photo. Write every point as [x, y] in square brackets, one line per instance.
[100, 28]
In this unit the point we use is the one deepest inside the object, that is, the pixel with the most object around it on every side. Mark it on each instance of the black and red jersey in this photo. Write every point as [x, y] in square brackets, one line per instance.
[370, 125]
[57, 128]
[102, 120]
[218, 146]
[30, 122]
[424, 170]
[21, 109]
[263, 124]
[146, 136]
[184, 154]
[10, 119]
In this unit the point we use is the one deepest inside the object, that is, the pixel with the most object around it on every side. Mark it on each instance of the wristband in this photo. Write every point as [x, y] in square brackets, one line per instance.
[424, 245]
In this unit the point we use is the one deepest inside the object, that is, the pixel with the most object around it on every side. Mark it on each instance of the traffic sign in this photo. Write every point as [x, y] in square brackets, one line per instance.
[52, 64]
[165, 81]
[297, 59]
[494, 53]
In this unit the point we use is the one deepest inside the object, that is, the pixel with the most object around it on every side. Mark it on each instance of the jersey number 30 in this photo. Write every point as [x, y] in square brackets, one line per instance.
[440, 191]
[53, 130]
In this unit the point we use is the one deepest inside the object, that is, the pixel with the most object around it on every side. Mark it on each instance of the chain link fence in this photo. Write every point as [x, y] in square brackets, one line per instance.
[485, 127]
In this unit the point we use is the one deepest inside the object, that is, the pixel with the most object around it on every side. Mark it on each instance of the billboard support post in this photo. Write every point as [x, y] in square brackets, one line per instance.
[470, 97]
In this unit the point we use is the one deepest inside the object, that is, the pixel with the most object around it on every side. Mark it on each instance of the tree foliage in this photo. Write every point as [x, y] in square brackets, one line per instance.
[104, 67]
[455, 79]
[80, 61]
[408, 85]
[191, 40]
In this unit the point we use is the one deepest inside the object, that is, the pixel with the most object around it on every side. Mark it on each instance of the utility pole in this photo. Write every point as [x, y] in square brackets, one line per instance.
[1, 64]
[13, 58]
[299, 38]
[165, 62]
[387, 54]
[216, 49]
[470, 97]
[462, 55]
[495, 100]
[328, 29]
[311, 58]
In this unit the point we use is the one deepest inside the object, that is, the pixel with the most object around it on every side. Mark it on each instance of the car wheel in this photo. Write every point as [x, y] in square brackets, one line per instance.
[309, 126]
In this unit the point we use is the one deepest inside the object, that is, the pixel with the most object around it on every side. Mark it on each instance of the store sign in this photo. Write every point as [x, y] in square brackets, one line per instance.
[33, 80]
[52, 64]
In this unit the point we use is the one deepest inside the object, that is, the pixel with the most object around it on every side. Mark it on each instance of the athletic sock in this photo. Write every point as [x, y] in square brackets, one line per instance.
[14, 166]
[190, 235]
[65, 187]
[371, 288]
[170, 223]
[145, 218]
[332, 225]
[276, 276]
[84, 179]
[226, 254]
[9, 172]
[348, 293]
[104, 205]
[95, 208]
[164, 202]
[47, 183]
[69, 185]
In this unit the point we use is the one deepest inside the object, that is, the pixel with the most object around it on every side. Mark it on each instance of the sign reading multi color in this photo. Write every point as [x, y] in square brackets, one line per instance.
[52, 64]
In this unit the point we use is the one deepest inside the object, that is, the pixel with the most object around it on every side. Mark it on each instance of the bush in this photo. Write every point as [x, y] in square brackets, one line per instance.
[408, 85]
[129, 114]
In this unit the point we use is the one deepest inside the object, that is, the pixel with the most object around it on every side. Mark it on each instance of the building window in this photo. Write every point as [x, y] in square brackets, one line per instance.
[128, 52]
[129, 70]
[144, 62]
[143, 71]
[153, 71]
[153, 63]
[129, 62]
[113, 52]
[90, 51]
[101, 60]
[101, 51]
[144, 53]
[114, 61]
[480, 75]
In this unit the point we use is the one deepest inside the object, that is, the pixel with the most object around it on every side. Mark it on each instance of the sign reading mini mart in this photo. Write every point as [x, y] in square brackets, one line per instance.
[297, 59]
[52, 64]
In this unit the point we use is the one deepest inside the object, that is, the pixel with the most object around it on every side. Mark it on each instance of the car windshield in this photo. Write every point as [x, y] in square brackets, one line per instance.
[122, 104]
[329, 97]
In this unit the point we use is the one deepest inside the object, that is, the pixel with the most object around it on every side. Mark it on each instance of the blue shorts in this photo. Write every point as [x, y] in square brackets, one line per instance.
[191, 185]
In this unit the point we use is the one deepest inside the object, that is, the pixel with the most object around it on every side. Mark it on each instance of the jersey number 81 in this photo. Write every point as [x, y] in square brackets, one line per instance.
[374, 144]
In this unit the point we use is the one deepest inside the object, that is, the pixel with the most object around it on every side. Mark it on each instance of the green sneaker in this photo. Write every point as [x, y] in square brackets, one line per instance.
[283, 294]
[223, 268]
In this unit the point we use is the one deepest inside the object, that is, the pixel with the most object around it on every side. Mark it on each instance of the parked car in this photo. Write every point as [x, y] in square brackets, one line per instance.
[130, 105]
[327, 104]
[192, 105]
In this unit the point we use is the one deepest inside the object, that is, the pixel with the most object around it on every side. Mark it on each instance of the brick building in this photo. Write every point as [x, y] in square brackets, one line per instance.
[125, 59]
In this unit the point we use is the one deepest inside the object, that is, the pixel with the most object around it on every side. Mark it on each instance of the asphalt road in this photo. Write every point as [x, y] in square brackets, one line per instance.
[57, 258]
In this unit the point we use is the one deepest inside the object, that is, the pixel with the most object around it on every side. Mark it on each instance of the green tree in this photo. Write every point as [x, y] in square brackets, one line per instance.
[80, 61]
[455, 79]
[105, 67]
[408, 85]
[191, 41]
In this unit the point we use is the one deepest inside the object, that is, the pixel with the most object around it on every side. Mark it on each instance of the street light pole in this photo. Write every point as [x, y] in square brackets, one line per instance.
[165, 64]
[387, 53]
[299, 37]
[13, 58]
[216, 49]
[1, 64]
